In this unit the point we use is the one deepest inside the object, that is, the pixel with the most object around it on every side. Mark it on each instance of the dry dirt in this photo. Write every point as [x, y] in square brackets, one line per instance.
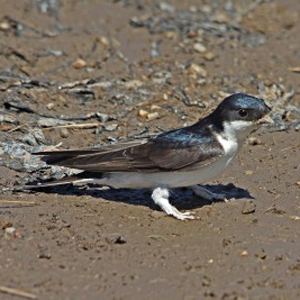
[84, 243]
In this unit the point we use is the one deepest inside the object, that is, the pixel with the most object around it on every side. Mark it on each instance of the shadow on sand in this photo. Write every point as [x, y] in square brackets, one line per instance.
[182, 198]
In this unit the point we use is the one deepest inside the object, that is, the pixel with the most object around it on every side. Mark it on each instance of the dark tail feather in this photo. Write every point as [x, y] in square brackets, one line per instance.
[21, 188]
[83, 177]
[55, 157]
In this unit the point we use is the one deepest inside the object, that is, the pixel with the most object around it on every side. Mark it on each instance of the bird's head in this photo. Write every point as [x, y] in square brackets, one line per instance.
[240, 113]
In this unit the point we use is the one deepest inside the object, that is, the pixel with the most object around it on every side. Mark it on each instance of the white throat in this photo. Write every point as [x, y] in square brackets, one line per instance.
[237, 130]
[234, 135]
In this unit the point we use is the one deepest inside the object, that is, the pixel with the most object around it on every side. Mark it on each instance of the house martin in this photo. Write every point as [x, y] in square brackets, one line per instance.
[184, 157]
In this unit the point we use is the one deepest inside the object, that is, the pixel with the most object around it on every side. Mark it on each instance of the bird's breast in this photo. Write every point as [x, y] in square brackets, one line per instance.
[230, 146]
[136, 180]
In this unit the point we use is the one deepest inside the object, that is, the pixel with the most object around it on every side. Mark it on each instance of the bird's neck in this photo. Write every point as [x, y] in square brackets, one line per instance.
[236, 131]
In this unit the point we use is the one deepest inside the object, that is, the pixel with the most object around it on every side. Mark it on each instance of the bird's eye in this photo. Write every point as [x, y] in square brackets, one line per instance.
[243, 113]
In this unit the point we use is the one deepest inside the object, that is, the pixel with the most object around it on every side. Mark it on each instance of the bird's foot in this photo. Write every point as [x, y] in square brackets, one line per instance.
[174, 212]
[208, 195]
[161, 197]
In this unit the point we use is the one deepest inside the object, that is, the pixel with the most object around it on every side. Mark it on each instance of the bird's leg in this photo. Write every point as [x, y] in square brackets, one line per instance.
[208, 195]
[160, 196]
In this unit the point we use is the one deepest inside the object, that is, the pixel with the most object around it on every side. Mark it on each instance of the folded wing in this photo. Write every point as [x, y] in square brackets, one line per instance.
[158, 154]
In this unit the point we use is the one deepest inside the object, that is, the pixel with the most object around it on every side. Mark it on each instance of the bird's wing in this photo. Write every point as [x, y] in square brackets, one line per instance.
[158, 154]
[54, 157]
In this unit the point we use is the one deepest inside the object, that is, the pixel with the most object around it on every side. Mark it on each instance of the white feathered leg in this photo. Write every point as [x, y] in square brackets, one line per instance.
[160, 196]
[208, 195]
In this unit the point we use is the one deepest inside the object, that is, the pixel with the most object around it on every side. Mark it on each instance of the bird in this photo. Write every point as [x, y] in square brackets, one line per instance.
[183, 157]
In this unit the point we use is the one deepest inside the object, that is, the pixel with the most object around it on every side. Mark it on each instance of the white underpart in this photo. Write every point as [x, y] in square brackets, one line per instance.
[231, 140]
[237, 130]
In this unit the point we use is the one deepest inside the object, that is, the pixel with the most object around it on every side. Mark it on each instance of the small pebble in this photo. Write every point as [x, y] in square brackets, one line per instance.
[54, 52]
[64, 132]
[4, 26]
[198, 70]
[295, 218]
[115, 239]
[10, 230]
[171, 35]
[207, 9]
[50, 105]
[253, 141]
[102, 117]
[154, 107]
[206, 281]
[209, 56]
[133, 84]
[199, 48]
[249, 207]
[104, 41]
[202, 81]
[153, 116]
[166, 7]
[143, 114]
[192, 34]
[193, 9]
[79, 64]
[46, 255]
[249, 172]
[295, 69]
[61, 98]
[111, 127]
[244, 253]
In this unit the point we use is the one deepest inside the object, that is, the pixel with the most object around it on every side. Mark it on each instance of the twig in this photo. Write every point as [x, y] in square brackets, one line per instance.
[295, 69]
[17, 202]
[187, 100]
[157, 237]
[17, 292]
[71, 85]
[17, 23]
[66, 118]
[51, 148]
[82, 125]
[17, 128]
[291, 147]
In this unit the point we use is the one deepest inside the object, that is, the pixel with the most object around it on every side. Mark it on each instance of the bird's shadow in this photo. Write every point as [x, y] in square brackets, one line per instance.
[182, 198]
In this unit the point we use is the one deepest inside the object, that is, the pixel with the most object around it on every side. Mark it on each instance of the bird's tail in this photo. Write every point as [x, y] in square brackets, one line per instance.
[80, 178]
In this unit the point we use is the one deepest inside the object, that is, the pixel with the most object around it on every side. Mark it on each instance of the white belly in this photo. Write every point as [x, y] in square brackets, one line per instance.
[168, 179]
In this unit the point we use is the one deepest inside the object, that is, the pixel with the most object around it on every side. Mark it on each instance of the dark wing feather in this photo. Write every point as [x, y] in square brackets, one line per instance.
[55, 157]
[181, 151]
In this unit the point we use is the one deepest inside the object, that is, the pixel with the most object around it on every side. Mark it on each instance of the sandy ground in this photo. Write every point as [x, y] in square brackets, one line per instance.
[86, 243]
